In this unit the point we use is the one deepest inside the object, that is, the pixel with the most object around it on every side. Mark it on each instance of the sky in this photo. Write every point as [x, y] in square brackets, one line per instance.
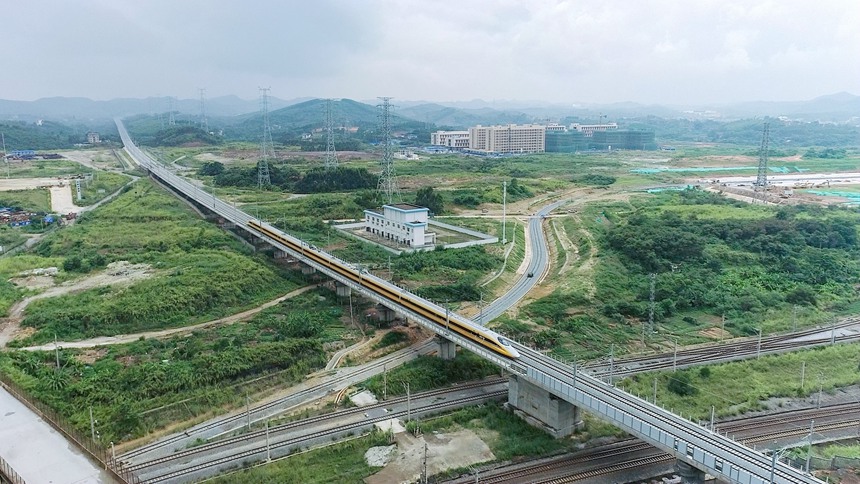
[675, 52]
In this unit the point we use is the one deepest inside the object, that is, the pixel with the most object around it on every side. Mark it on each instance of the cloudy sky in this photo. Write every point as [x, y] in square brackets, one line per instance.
[650, 51]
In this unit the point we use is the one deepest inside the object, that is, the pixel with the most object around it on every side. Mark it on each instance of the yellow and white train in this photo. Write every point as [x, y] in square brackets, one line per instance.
[477, 334]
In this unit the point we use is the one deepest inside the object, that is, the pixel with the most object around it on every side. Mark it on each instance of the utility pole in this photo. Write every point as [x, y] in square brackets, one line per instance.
[92, 425]
[820, 388]
[655, 391]
[384, 382]
[675, 357]
[504, 211]
[802, 374]
[268, 448]
[611, 362]
[408, 403]
[57, 353]
[248, 409]
[424, 471]
[651, 306]
[809, 449]
[3, 136]
[758, 350]
[712, 417]
[481, 305]
[794, 319]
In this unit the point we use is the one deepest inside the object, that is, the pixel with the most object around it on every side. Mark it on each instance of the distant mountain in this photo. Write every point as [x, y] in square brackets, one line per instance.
[839, 107]
[78, 109]
[307, 116]
[441, 115]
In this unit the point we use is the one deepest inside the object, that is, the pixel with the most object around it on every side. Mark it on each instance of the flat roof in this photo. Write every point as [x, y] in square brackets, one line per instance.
[406, 206]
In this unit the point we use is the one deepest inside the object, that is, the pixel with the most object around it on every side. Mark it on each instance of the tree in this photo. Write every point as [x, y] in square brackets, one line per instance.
[427, 197]
[681, 384]
[211, 168]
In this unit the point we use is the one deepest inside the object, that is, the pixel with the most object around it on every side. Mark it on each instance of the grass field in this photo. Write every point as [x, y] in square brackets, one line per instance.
[735, 388]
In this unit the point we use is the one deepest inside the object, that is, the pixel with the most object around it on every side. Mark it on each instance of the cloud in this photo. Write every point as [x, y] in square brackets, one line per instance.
[665, 51]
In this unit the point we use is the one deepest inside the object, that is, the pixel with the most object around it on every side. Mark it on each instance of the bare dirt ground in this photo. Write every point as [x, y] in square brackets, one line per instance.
[61, 200]
[97, 159]
[7, 184]
[444, 451]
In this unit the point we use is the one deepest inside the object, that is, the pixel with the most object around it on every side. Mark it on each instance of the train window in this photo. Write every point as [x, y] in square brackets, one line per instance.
[504, 342]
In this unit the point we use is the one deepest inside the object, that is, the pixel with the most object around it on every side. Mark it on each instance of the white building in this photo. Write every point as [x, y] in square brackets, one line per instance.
[589, 129]
[451, 139]
[510, 138]
[403, 223]
[93, 138]
[556, 128]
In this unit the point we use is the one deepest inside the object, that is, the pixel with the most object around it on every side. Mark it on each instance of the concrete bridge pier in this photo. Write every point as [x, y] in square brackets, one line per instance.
[689, 474]
[447, 348]
[308, 270]
[342, 290]
[541, 408]
[280, 254]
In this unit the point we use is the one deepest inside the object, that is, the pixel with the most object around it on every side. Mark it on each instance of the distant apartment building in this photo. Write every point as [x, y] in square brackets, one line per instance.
[589, 129]
[93, 138]
[402, 223]
[451, 139]
[555, 128]
[511, 138]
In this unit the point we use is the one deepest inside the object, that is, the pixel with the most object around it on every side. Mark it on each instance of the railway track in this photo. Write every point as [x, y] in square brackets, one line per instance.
[724, 351]
[635, 453]
[259, 452]
[292, 426]
[238, 420]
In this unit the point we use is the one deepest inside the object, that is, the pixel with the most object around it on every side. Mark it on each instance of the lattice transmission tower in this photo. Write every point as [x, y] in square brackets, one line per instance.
[330, 160]
[171, 118]
[267, 148]
[387, 188]
[761, 179]
[204, 123]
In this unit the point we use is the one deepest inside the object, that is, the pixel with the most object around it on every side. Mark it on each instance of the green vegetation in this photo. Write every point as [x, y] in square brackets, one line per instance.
[102, 185]
[316, 180]
[458, 269]
[735, 388]
[38, 201]
[132, 388]
[391, 338]
[711, 257]
[138, 387]
[47, 136]
[507, 435]
[427, 197]
[201, 271]
[345, 460]
[430, 372]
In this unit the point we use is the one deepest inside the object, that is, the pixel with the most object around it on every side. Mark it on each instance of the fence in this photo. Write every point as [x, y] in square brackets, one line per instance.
[8, 474]
[827, 463]
[83, 441]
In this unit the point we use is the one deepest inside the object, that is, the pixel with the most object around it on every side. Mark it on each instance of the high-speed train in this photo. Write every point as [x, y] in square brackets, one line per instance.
[477, 334]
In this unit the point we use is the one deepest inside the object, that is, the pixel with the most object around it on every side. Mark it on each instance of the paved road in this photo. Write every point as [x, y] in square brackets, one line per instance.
[537, 266]
[37, 452]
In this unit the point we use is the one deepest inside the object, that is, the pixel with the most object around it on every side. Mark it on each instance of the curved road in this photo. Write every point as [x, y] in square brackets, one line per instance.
[537, 266]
